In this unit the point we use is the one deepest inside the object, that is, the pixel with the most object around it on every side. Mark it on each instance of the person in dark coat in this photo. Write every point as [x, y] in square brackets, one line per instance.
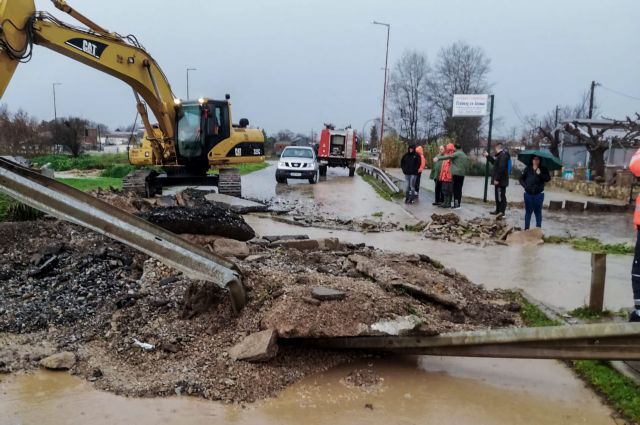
[435, 176]
[532, 180]
[410, 164]
[500, 177]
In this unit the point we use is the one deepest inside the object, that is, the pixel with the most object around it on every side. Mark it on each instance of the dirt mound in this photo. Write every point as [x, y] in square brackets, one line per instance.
[97, 305]
[478, 231]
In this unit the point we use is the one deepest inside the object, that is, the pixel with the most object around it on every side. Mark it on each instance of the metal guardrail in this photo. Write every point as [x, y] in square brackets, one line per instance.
[603, 341]
[67, 203]
[380, 175]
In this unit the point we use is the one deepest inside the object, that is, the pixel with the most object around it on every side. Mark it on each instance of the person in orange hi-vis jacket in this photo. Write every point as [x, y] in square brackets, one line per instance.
[423, 163]
[634, 167]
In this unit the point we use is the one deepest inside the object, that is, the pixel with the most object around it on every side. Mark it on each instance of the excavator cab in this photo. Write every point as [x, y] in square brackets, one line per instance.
[200, 127]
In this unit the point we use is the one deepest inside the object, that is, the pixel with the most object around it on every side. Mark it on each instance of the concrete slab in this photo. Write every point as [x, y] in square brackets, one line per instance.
[257, 347]
[239, 205]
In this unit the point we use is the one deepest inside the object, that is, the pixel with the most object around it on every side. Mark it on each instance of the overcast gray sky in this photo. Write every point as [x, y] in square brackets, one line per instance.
[296, 64]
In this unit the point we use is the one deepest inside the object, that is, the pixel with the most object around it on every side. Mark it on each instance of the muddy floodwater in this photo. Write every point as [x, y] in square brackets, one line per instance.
[557, 275]
[412, 390]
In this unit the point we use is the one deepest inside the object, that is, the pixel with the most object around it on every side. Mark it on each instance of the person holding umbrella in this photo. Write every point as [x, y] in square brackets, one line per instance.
[534, 176]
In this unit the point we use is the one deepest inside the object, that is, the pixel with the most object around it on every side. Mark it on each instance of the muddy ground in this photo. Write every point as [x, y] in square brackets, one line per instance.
[68, 289]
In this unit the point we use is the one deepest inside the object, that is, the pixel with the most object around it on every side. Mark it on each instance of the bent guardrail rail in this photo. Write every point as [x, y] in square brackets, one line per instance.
[67, 203]
[380, 175]
[603, 341]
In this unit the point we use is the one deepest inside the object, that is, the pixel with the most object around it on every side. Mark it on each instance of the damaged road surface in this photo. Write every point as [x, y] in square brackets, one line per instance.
[140, 328]
[196, 215]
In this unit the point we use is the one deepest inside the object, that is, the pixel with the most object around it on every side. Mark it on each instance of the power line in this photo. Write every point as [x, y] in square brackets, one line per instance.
[619, 93]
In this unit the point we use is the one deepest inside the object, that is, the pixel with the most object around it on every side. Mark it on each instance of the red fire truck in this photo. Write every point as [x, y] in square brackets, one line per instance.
[337, 148]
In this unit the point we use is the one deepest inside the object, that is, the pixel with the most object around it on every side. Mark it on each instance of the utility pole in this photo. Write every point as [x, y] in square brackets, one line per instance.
[384, 92]
[557, 109]
[486, 169]
[189, 69]
[593, 89]
[55, 108]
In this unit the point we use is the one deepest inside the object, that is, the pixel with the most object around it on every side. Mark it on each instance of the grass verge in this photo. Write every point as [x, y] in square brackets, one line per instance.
[531, 315]
[246, 168]
[585, 313]
[620, 392]
[590, 244]
[92, 184]
[5, 204]
[250, 168]
[381, 189]
[61, 162]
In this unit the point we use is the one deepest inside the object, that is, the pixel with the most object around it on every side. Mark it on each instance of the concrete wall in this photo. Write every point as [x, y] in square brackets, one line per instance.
[594, 189]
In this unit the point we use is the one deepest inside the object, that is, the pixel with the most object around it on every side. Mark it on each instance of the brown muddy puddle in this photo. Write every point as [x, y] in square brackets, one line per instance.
[412, 390]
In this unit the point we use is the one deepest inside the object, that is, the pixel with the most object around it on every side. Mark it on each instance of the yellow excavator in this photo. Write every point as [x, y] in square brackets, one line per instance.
[190, 137]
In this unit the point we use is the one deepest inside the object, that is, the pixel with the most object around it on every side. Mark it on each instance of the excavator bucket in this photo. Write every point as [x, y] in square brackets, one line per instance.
[14, 43]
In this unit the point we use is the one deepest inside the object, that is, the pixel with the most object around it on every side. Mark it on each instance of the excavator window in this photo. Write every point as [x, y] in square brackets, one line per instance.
[190, 131]
[218, 123]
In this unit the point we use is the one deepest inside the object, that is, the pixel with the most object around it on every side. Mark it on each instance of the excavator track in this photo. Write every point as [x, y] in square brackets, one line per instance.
[141, 183]
[229, 182]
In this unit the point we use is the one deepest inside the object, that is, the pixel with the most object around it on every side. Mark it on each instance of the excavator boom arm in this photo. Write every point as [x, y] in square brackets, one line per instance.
[125, 59]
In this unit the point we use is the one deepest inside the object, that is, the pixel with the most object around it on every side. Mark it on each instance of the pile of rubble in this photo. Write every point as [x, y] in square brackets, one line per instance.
[306, 213]
[136, 327]
[478, 231]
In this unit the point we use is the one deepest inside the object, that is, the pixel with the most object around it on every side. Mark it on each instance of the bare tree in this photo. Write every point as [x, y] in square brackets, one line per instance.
[69, 133]
[408, 92]
[459, 69]
[632, 126]
[547, 125]
[20, 134]
[374, 136]
[597, 143]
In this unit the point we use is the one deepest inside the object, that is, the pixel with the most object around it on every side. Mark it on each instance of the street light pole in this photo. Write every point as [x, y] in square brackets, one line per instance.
[55, 108]
[189, 69]
[384, 92]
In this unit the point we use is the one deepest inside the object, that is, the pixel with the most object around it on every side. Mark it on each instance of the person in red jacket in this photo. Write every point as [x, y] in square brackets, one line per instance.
[447, 178]
[634, 167]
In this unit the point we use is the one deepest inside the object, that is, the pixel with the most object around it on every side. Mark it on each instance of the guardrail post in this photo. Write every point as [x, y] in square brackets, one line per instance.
[598, 275]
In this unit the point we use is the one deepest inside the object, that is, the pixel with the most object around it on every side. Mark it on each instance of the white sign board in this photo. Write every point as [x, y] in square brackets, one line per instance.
[470, 105]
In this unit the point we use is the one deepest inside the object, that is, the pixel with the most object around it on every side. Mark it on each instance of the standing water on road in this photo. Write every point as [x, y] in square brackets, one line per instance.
[412, 390]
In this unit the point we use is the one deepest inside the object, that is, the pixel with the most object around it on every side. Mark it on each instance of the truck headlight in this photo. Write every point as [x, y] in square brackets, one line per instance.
[281, 164]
